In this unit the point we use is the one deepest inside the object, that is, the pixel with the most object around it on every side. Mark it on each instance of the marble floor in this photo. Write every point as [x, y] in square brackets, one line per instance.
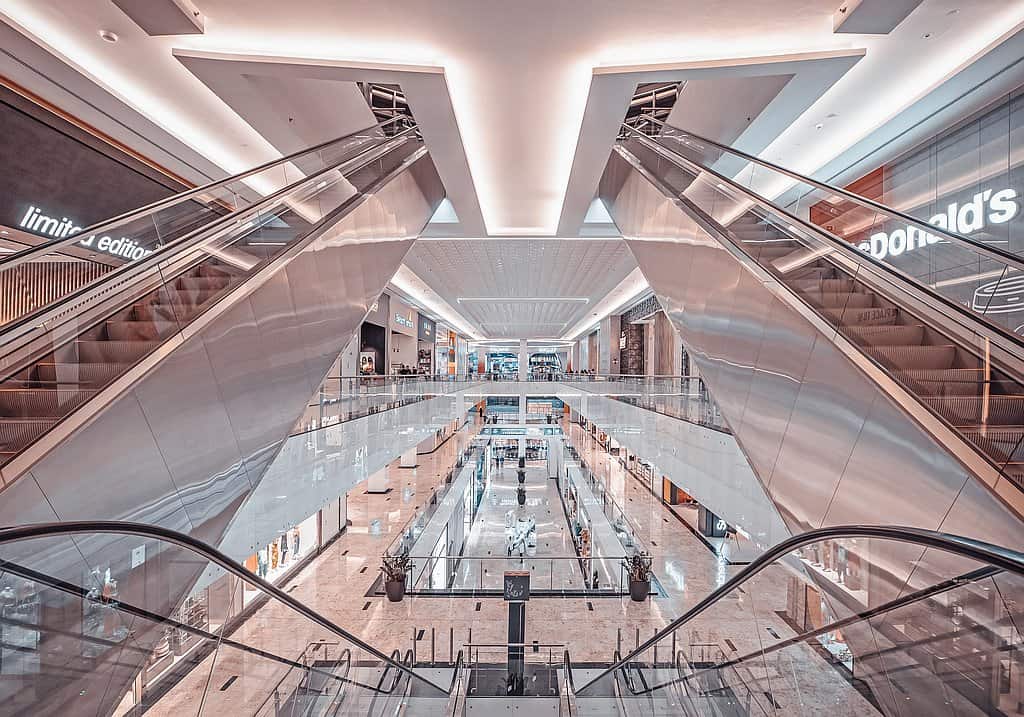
[336, 582]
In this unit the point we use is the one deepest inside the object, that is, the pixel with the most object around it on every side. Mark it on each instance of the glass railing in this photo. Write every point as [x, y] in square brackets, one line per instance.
[954, 354]
[107, 618]
[91, 339]
[76, 258]
[683, 397]
[345, 398]
[852, 619]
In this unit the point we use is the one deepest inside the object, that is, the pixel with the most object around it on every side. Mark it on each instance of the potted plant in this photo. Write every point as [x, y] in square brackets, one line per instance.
[521, 474]
[521, 495]
[638, 568]
[395, 568]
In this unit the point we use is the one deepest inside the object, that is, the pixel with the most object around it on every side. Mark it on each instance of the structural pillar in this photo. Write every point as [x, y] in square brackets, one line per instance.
[524, 361]
[408, 459]
[378, 482]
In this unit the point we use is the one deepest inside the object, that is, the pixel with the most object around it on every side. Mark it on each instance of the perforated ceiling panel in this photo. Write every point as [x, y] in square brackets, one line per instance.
[526, 288]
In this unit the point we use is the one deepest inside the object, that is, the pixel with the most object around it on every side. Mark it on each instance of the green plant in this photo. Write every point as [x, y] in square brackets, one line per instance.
[638, 566]
[396, 567]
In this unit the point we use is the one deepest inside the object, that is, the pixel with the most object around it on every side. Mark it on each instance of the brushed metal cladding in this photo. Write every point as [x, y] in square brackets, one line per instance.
[825, 439]
[808, 441]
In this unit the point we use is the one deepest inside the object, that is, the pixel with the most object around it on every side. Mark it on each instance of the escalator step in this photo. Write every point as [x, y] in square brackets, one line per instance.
[122, 352]
[126, 330]
[79, 374]
[967, 410]
[914, 357]
[16, 433]
[841, 300]
[41, 402]
[897, 335]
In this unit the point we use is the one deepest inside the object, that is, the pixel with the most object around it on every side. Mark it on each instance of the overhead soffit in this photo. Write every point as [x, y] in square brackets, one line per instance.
[780, 100]
[521, 288]
[251, 83]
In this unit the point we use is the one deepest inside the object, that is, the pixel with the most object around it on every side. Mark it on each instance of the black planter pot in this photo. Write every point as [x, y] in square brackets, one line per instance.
[522, 462]
[395, 589]
[521, 496]
[639, 589]
[522, 476]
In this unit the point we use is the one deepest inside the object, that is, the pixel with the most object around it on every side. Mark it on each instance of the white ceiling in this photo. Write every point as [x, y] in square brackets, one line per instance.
[522, 288]
[518, 101]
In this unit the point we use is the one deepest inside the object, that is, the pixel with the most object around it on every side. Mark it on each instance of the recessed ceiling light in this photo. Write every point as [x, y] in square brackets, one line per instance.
[818, 126]
[108, 36]
[954, 11]
[926, 36]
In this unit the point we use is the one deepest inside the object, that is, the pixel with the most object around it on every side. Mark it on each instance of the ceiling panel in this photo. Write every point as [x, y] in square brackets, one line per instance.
[523, 288]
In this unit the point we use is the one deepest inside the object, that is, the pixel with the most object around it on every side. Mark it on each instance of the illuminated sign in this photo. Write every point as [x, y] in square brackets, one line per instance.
[35, 221]
[403, 321]
[985, 207]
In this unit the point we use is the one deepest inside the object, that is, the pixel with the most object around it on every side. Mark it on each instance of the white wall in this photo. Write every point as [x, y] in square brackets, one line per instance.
[402, 351]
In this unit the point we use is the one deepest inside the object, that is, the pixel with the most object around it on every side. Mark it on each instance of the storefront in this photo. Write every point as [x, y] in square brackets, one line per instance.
[968, 179]
[373, 338]
[444, 351]
[404, 336]
[425, 334]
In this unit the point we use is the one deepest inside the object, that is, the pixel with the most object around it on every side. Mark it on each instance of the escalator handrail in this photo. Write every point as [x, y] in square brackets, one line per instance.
[37, 317]
[1009, 560]
[994, 252]
[970, 320]
[862, 616]
[115, 527]
[12, 260]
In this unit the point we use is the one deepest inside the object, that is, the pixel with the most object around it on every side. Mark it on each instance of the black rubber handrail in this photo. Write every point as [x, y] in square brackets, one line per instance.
[994, 252]
[996, 556]
[864, 615]
[114, 527]
[12, 260]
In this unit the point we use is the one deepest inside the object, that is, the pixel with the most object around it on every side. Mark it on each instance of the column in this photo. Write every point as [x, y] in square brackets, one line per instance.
[378, 482]
[524, 360]
[408, 459]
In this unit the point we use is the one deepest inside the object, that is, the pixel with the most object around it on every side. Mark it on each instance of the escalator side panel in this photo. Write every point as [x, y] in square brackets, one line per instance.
[895, 456]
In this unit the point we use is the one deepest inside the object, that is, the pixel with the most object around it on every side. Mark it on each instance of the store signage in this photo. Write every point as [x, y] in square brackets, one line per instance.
[35, 221]
[404, 321]
[517, 586]
[985, 208]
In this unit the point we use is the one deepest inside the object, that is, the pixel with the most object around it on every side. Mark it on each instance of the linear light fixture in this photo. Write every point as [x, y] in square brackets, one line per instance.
[522, 299]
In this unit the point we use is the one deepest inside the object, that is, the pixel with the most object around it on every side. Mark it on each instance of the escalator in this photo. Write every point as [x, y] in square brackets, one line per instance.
[164, 385]
[82, 639]
[875, 375]
[160, 389]
[793, 633]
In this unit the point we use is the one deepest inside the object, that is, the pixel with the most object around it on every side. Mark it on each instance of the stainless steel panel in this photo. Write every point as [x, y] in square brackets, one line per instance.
[826, 420]
[896, 472]
[280, 337]
[112, 470]
[194, 436]
[244, 369]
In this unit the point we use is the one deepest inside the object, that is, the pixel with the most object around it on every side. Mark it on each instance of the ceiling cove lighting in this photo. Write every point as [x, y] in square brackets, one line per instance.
[416, 289]
[627, 291]
[30, 18]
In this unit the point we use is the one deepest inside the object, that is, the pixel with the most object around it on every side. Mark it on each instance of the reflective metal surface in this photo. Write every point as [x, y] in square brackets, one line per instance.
[826, 441]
